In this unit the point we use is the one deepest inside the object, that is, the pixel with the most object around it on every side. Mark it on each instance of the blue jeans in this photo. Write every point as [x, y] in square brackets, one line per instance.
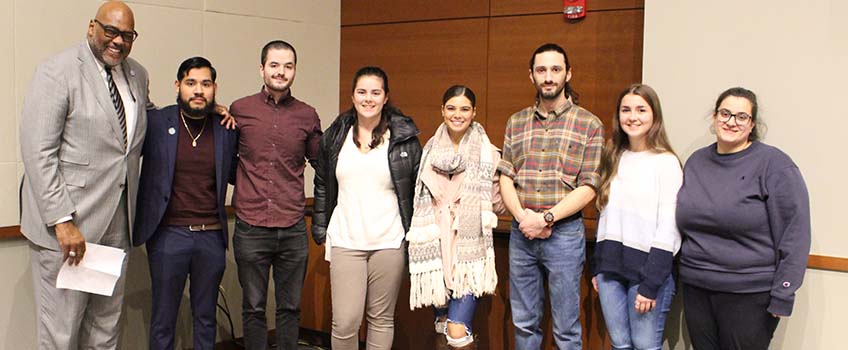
[460, 310]
[627, 328]
[559, 259]
[257, 250]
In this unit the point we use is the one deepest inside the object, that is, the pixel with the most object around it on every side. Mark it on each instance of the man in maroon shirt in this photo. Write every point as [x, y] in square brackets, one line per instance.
[277, 134]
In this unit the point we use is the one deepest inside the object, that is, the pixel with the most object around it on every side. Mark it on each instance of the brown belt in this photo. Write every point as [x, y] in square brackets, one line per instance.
[206, 227]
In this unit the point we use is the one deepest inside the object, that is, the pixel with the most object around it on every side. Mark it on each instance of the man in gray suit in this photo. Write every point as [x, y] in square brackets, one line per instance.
[82, 129]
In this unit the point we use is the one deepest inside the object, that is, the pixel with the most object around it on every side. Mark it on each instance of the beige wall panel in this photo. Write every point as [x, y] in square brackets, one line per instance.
[39, 34]
[794, 60]
[233, 44]
[818, 319]
[167, 36]
[183, 4]
[170, 32]
[8, 133]
[9, 191]
[325, 12]
[17, 313]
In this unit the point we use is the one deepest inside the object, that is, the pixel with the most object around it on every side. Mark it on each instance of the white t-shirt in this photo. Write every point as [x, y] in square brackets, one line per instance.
[367, 216]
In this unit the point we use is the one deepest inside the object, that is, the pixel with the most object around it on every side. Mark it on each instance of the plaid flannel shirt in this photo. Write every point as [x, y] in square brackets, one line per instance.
[548, 156]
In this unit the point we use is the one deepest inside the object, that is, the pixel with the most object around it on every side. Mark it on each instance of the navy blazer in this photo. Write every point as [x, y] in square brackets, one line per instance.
[157, 170]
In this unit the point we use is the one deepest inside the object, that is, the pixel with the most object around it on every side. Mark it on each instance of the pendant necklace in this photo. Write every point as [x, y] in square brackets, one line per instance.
[193, 138]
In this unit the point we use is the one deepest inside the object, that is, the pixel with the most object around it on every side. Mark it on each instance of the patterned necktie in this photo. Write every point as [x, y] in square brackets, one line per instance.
[119, 104]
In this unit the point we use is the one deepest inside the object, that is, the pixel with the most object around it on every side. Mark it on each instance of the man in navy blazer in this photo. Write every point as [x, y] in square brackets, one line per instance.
[187, 162]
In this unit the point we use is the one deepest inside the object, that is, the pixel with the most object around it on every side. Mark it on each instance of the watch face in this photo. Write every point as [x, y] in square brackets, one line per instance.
[549, 217]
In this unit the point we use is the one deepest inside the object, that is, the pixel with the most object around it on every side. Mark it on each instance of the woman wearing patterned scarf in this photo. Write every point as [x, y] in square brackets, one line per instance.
[451, 257]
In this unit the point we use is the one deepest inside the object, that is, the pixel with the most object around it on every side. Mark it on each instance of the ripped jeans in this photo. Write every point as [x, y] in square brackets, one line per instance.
[459, 310]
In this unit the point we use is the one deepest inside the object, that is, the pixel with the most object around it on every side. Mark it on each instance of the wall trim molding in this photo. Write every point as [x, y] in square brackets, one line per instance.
[10, 232]
[818, 262]
[824, 262]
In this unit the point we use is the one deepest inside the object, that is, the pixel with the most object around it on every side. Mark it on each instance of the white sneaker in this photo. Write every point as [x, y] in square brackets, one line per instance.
[441, 326]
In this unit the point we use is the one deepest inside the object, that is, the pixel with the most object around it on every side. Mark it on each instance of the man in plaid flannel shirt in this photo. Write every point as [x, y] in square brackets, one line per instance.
[549, 172]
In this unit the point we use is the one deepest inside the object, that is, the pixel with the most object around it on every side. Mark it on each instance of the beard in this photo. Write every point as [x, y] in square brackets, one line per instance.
[550, 95]
[99, 47]
[186, 107]
[276, 86]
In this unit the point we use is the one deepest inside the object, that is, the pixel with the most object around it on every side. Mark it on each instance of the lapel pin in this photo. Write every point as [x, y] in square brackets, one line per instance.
[172, 131]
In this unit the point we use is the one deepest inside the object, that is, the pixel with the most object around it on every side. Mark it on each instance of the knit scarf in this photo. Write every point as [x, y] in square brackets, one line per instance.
[474, 267]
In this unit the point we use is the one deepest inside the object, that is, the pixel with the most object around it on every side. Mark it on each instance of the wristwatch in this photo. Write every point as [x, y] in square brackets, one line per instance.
[549, 218]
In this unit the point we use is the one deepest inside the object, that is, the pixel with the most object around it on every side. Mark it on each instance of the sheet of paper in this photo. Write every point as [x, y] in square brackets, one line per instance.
[97, 273]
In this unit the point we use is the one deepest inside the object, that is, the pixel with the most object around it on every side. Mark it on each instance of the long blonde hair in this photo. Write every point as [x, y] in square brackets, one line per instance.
[657, 141]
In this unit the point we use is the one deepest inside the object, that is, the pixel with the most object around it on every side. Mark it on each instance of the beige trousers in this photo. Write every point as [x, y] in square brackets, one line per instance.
[365, 282]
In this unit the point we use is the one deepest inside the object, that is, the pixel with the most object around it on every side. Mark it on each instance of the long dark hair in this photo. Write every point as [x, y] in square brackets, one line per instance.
[657, 139]
[569, 92]
[385, 113]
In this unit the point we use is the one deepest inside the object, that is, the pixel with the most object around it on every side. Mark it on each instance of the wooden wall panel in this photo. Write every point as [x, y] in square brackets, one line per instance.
[315, 296]
[355, 12]
[524, 7]
[605, 52]
[422, 60]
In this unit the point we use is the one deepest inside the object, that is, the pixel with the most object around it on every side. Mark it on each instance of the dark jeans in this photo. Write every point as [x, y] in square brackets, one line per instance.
[174, 254]
[256, 250]
[727, 321]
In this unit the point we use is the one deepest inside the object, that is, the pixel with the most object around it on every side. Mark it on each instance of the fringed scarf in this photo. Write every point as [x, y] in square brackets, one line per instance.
[474, 268]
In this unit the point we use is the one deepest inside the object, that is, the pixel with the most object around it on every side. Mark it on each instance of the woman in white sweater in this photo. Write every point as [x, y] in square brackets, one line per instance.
[637, 234]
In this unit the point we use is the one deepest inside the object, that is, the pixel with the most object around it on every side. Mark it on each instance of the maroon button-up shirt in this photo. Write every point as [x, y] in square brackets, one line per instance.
[275, 140]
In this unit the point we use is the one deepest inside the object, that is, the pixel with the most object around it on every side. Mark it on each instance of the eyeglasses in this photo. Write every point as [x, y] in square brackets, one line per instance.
[742, 118]
[112, 32]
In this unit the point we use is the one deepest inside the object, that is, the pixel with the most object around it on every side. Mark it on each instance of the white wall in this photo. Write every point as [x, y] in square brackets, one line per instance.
[793, 55]
[229, 33]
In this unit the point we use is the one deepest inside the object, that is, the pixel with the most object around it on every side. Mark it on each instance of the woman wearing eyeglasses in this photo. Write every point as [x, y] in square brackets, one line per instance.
[744, 214]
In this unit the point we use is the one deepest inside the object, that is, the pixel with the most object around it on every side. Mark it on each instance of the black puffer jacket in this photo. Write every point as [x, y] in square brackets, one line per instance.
[404, 156]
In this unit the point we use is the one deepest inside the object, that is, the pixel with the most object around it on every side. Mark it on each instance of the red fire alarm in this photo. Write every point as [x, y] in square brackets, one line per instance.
[574, 9]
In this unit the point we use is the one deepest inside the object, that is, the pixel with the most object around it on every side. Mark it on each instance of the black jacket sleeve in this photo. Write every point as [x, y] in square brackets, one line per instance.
[319, 208]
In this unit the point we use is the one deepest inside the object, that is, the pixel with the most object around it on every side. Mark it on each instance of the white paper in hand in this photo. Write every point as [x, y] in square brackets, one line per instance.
[97, 273]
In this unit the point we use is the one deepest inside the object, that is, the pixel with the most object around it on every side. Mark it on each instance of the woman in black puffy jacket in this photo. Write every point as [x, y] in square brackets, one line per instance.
[364, 180]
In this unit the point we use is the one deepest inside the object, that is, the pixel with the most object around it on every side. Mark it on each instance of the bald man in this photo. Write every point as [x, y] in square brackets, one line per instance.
[82, 129]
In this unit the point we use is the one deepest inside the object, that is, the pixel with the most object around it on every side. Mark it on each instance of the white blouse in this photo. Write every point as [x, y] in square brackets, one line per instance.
[367, 216]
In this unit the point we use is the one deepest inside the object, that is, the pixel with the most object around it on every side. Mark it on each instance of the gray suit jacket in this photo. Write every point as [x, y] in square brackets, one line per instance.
[72, 147]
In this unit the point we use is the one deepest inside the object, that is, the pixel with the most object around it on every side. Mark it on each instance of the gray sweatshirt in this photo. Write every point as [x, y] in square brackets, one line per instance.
[745, 222]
